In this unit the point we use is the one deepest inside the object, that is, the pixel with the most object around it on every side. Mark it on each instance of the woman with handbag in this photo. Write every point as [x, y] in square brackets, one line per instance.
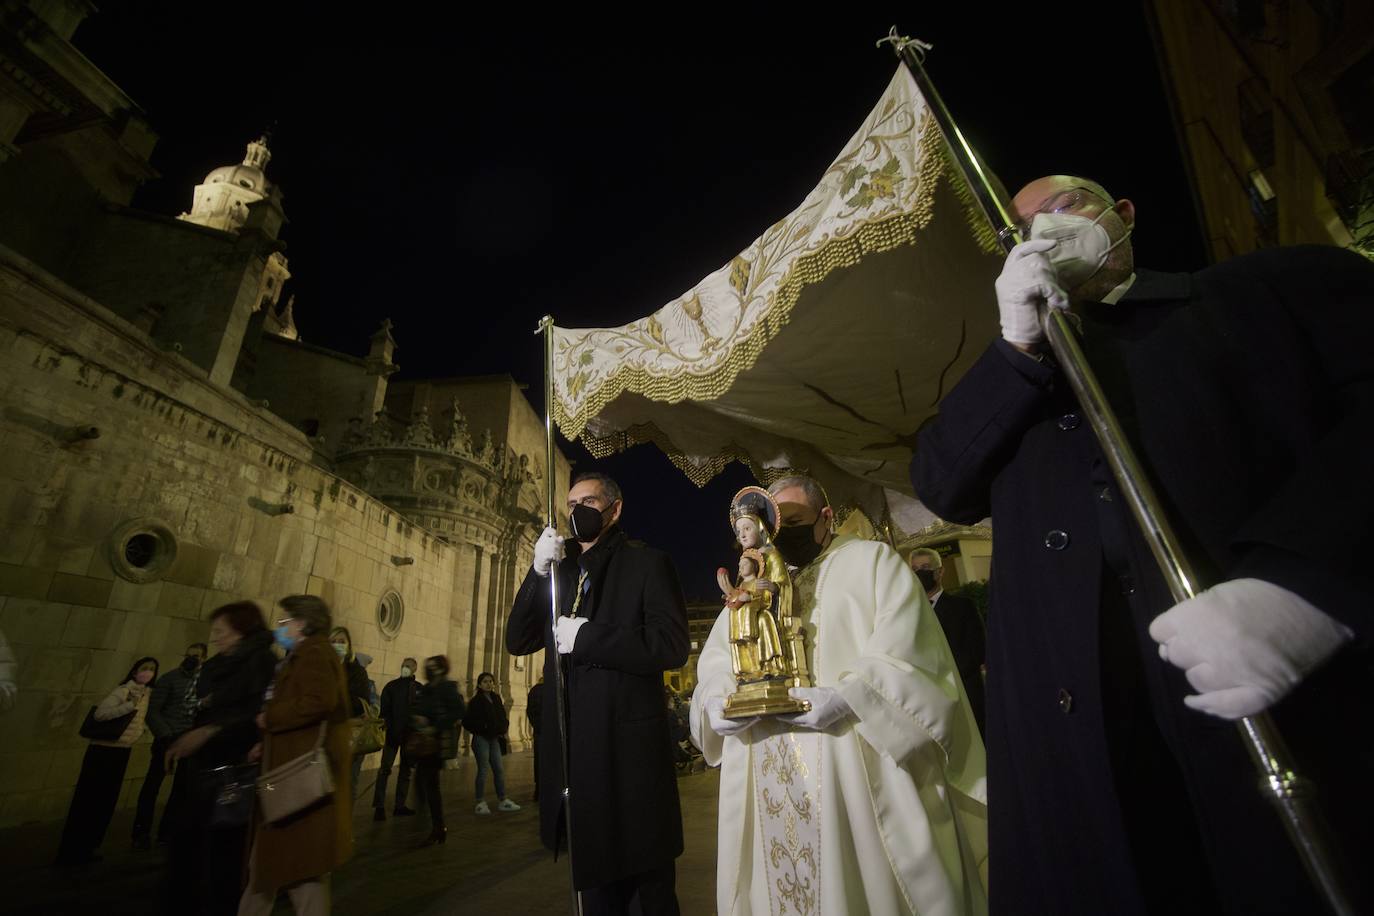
[359, 690]
[112, 728]
[209, 831]
[486, 720]
[438, 711]
[304, 828]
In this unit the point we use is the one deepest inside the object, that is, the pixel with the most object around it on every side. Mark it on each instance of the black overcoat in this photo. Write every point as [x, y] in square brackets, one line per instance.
[968, 644]
[1248, 389]
[626, 816]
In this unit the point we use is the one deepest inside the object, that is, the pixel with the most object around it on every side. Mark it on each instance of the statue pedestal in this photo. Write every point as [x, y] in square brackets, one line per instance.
[763, 698]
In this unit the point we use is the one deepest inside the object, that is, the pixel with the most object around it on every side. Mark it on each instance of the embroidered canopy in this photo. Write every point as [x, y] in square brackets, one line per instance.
[821, 347]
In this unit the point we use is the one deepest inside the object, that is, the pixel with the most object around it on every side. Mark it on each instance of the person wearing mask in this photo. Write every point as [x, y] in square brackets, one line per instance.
[359, 687]
[170, 714]
[437, 712]
[206, 859]
[486, 721]
[622, 623]
[310, 691]
[886, 765]
[398, 700]
[962, 625]
[103, 767]
[534, 711]
[1247, 392]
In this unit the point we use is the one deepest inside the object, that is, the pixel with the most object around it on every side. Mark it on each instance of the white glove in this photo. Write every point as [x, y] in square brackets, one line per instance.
[565, 633]
[1245, 644]
[715, 717]
[547, 551]
[827, 708]
[1028, 278]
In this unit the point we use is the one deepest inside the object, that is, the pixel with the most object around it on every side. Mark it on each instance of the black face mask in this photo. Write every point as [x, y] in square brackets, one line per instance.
[927, 577]
[587, 523]
[190, 663]
[797, 544]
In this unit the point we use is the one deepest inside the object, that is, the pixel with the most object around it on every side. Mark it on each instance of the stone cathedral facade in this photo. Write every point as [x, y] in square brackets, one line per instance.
[147, 476]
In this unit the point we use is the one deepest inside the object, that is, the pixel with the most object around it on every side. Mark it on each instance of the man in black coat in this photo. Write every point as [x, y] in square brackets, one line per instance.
[963, 627]
[1247, 389]
[623, 622]
[397, 701]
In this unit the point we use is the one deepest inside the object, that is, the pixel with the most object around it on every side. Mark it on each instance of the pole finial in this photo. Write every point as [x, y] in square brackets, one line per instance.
[901, 42]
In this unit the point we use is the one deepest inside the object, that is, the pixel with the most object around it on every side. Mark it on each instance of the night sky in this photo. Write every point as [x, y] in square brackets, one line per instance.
[464, 174]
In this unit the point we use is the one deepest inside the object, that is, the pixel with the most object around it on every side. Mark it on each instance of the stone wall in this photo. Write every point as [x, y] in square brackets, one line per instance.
[250, 517]
[310, 385]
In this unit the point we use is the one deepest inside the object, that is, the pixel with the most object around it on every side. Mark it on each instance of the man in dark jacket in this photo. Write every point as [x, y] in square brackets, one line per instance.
[963, 627]
[398, 699]
[534, 711]
[171, 711]
[623, 622]
[1248, 391]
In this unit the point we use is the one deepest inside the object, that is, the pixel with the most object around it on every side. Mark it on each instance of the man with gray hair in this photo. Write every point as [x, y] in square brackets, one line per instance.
[959, 619]
[875, 800]
[1247, 392]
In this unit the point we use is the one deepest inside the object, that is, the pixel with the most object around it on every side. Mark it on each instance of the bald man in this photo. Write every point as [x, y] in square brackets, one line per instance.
[1117, 780]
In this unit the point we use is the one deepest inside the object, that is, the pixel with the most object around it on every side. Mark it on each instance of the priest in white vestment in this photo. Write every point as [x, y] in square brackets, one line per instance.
[875, 801]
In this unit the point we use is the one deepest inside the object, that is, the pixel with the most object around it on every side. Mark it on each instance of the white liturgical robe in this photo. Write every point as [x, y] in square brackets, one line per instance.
[883, 813]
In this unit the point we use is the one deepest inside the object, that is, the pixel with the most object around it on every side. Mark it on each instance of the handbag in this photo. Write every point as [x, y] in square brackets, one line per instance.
[504, 743]
[368, 731]
[105, 729]
[298, 784]
[232, 793]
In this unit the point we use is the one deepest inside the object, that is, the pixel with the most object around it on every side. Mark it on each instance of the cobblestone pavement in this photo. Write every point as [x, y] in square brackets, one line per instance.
[491, 865]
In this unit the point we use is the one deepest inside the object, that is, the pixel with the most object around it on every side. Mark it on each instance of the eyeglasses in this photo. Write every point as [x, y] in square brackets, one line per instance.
[1073, 200]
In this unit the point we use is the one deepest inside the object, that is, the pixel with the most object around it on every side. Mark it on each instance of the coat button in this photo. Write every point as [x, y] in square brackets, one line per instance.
[1127, 585]
[1057, 540]
[1069, 422]
[1105, 494]
[1065, 701]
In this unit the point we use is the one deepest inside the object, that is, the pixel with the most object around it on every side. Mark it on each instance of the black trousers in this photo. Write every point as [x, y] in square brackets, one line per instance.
[427, 785]
[389, 753]
[649, 893]
[206, 866]
[534, 742]
[93, 803]
[152, 785]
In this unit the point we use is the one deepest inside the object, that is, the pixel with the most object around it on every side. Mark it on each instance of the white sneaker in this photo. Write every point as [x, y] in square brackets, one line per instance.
[507, 805]
[482, 807]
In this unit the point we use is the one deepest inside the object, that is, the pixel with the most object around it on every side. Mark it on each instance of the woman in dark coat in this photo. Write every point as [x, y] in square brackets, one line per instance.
[102, 769]
[309, 702]
[488, 723]
[206, 857]
[438, 711]
[359, 688]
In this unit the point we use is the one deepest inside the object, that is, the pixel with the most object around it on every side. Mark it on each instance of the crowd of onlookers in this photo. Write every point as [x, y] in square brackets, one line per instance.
[263, 732]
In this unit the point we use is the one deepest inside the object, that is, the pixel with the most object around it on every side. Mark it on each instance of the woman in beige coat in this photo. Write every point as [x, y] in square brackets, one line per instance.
[103, 767]
[296, 855]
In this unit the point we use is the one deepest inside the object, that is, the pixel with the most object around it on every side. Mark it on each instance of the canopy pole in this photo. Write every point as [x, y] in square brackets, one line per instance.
[1293, 797]
[560, 679]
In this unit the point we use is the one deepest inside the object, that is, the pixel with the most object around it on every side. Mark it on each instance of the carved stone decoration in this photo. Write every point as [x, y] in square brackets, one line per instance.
[419, 434]
[459, 441]
[379, 432]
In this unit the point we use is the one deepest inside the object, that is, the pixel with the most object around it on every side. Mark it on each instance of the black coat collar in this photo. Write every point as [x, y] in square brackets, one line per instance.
[1152, 285]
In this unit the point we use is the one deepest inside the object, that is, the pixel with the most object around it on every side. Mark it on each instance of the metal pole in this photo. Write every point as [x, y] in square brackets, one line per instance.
[1292, 796]
[560, 679]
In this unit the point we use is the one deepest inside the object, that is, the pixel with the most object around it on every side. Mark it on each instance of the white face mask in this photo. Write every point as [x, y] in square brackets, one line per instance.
[1083, 245]
[407, 671]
